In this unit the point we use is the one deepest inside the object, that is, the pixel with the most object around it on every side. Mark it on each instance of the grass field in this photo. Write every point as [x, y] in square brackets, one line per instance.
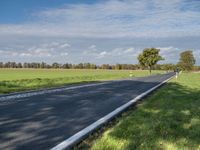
[167, 120]
[12, 80]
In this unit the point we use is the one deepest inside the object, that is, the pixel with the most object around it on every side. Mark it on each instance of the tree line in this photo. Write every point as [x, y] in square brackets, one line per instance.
[55, 65]
[148, 59]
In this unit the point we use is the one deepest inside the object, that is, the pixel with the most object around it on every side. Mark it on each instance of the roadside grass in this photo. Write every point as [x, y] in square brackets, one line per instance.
[169, 119]
[13, 80]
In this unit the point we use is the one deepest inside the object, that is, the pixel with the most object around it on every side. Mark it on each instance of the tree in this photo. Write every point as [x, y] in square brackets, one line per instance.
[118, 66]
[187, 60]
[1, 65]
[55, 65]
[105, 66]
[149, 57]
[43, 65]
[19, 65]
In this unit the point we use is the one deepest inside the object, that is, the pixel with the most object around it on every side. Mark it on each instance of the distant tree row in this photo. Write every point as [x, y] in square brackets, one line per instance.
[68, 66]
[56, 65]
[150, 57]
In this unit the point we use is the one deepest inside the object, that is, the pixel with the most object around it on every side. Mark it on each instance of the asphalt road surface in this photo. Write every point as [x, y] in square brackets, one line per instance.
[44, 120]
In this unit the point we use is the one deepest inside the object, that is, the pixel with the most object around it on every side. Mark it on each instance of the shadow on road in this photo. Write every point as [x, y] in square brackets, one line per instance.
[41, 122]
[170, 118]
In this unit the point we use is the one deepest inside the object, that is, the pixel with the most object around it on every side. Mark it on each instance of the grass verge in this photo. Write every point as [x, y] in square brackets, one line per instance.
[13, 80]
[169, 119]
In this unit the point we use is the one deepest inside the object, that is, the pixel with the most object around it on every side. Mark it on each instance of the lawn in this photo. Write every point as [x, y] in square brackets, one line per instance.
[12, 80]
[169, 119]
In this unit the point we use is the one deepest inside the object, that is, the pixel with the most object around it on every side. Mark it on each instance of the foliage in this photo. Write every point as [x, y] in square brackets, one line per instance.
[196, 68]
[55, 65]
[149, 57]
[187, 60]
[169, 119]
[167, 67]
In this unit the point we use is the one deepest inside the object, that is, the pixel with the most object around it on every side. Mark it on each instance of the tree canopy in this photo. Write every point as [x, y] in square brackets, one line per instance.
[149, 57]
[187, 60]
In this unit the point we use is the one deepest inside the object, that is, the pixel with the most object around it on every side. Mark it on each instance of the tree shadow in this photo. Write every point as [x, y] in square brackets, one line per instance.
[168, 119]
[42, 121]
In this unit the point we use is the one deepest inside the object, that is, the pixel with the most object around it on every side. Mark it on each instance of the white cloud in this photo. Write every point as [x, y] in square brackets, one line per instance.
[8, 53]
[103, 53]
[168, 49]
[113, 31]
[64, 54]
[52, 49]
[53, 44]
[92, 47]
[196, 54]
[129, 50]
[25, 54]
[117, 53]
[91, 50]
[65, 45]
[123, 51]
[170, 53]
[112, 19]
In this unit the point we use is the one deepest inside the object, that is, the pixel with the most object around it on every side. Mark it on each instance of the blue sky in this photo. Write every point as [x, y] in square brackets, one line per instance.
[112, 31]
[18, 11]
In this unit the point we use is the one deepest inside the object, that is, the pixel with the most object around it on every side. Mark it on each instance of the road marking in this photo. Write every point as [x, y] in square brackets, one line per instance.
[66, 144]
[29, 94]
[13, 96]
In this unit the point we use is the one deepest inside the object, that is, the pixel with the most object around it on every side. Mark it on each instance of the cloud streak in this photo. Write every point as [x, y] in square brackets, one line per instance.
[112, 19]
[113, 31]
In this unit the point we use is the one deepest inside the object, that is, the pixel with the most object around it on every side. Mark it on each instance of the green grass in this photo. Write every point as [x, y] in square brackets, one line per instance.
[169, 119]
[12, 80]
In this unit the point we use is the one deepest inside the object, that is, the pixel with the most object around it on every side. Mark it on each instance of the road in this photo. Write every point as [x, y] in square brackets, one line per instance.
[44, 120]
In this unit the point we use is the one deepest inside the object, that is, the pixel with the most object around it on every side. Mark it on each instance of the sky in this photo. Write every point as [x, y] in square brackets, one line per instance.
[97, 31]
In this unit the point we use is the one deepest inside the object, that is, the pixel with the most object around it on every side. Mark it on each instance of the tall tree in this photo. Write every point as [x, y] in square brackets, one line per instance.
[187, 60]
[1, 65]
[149, 57]
[55, 65]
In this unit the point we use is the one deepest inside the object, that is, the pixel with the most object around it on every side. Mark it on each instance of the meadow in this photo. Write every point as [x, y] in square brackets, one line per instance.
[168, 119]
[13, 80]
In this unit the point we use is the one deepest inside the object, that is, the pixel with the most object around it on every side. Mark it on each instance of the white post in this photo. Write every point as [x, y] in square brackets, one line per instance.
[130, 74]
[176, 75]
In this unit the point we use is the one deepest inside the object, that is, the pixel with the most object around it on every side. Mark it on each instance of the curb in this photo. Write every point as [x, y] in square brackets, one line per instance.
[76, 138]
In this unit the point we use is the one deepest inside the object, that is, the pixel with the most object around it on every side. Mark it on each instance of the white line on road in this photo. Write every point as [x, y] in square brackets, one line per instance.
[29, 94]
[83, 133]
[17, 95]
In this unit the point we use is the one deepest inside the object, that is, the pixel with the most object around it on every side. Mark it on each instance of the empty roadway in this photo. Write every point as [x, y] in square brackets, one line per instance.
[44, 120]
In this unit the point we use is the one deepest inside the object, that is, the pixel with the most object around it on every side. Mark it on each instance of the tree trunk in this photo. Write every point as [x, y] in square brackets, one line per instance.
[150, 70]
